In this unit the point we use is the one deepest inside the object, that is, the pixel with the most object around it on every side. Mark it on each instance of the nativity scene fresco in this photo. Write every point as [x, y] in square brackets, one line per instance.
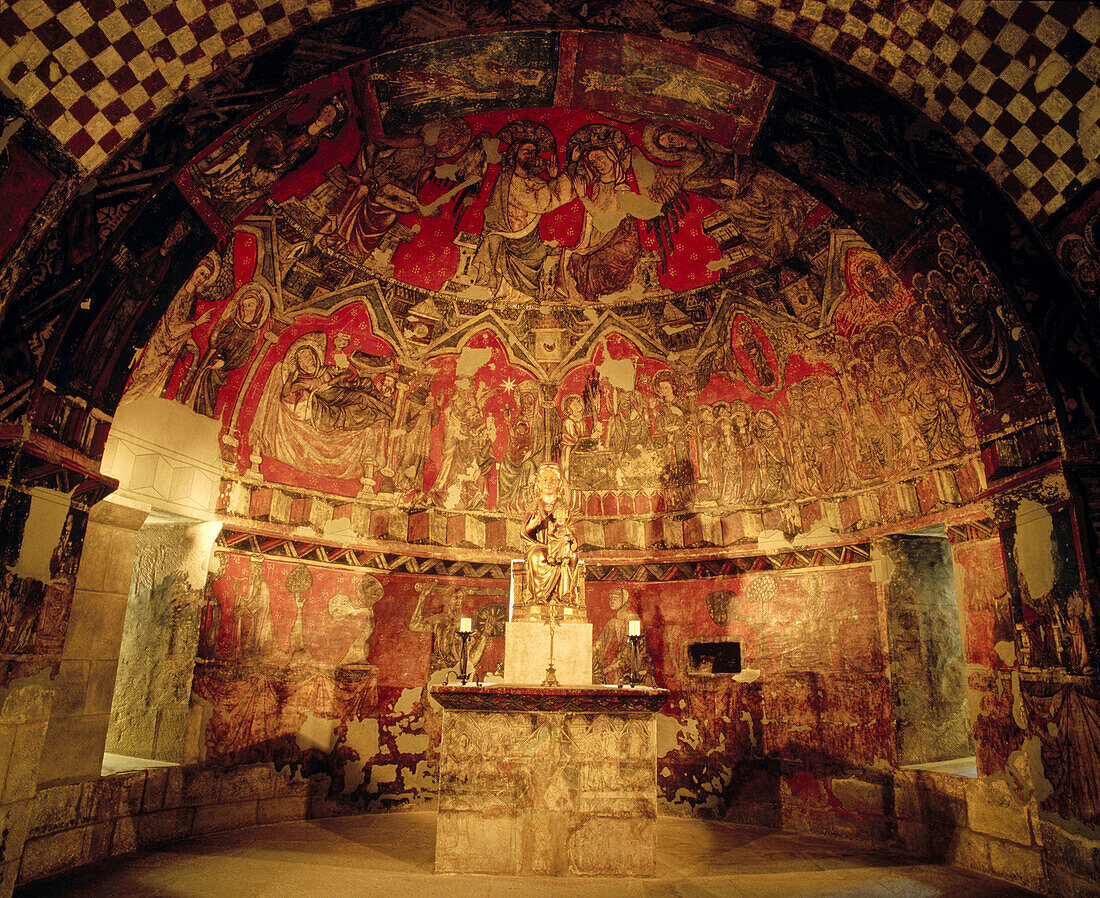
[426, 300]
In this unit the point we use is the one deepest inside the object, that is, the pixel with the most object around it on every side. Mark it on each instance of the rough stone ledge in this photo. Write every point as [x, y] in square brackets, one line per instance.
[81, 823]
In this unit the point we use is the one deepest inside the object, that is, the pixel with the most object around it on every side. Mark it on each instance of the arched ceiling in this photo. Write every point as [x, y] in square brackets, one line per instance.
[717, 277]
[999, 76]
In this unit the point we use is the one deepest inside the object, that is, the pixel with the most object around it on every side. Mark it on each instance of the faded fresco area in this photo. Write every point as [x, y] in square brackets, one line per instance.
[324, 670]
[36, 586]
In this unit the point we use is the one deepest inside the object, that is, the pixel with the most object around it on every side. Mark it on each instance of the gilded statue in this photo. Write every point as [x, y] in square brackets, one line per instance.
[553, 574]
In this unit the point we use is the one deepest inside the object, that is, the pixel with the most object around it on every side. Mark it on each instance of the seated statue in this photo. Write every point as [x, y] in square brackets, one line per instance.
[553, 575]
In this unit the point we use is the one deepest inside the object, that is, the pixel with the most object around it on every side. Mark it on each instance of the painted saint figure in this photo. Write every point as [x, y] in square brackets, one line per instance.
[230, 347]
[527, 188]
[173, 334]
[245, 168]
[256, 635]
[552, 558]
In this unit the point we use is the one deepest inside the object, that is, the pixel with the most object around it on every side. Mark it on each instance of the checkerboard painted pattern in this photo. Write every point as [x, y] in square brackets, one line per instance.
[1015, 82]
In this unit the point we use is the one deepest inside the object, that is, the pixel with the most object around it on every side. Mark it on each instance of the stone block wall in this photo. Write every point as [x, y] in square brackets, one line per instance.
[85, 683]
[24, 717]
[979, 824]
[74, 824]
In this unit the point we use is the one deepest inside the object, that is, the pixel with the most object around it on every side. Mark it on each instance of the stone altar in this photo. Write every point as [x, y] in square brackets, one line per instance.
[553, 781]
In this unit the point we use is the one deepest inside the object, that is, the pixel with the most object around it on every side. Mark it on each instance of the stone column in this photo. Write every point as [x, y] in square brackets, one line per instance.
[85, 683]
[160, 639]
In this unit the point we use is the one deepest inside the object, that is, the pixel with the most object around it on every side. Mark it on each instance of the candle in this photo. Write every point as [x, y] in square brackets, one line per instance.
[635, 628]
[466, 625]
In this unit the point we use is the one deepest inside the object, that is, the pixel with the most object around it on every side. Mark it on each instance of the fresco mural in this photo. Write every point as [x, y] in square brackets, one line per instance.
[1055, 626]
[635, 298]
[1076, 240]
[326, 670]
[36, 593]
[768, 414]
[24, 180]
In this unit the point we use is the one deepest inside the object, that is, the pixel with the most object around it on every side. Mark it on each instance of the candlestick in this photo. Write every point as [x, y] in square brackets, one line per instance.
[463, 658]
[635, 637]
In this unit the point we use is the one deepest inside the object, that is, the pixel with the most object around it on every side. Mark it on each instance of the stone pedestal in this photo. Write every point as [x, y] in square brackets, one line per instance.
[527, 653]
[551, 781]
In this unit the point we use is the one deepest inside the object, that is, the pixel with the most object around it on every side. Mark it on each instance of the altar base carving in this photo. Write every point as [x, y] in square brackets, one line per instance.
[558, 781]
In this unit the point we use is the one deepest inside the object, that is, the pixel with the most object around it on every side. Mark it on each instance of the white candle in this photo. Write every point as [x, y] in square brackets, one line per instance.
[635, 628]
[466, 625]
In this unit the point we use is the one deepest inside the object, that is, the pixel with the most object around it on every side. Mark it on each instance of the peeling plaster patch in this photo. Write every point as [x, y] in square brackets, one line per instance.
[412, 743]
[471, 360]
[819, 532]
[683, 795]
[646, 173]
[1018, 714]
[363, 737]
[683, 36]
[383, 773]
[436, 679]
[1033, 749]
[316, 732]
[748, 675]
[747, 717]
[1052, 729]
[634, 293]
[665, 771]
[1006, 651]
[1034, 558]
[773, 541]
[406, 702]
[491, 145]
[671, 731]
[42, 533]
[882, 565]
[422, 778]
[620, 372]
[1053, 70]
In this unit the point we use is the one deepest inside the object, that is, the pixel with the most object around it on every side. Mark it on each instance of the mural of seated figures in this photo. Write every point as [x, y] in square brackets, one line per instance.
[440, 297]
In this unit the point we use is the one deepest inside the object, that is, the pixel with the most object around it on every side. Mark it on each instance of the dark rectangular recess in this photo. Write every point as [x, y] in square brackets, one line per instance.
[720, 657]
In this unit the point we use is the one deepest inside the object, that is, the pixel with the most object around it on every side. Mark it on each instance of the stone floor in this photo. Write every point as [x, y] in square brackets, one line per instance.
[392, 855]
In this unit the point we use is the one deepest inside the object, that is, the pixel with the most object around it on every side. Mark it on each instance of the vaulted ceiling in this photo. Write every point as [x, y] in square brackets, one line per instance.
[724, 267]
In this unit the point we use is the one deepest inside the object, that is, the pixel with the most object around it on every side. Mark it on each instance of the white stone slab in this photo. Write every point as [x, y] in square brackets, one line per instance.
[527, 653]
